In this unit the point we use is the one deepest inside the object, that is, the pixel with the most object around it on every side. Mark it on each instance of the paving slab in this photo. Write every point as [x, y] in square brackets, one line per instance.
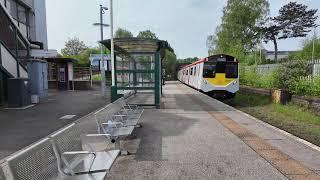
[20, 128]
[186, 142]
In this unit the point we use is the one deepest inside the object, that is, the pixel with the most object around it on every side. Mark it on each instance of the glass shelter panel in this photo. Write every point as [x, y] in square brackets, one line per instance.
[136, 70]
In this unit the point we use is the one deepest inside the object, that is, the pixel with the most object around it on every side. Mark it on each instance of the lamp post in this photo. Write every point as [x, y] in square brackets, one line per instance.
[313, 43]
[102, 69]
[112, 44]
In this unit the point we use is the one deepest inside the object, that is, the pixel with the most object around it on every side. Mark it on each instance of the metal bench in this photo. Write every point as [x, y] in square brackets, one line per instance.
[37, 162]
[77, 160]
[110, 113]
[131, 111]
[124, 102]
[111, 128]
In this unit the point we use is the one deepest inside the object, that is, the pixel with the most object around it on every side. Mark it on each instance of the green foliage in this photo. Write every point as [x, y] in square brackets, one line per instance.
[76, 49]
[170, 65]
[294, 20]
[123, 33]
[303, 87]
[288, 77]
[291, 71]
[147, 34]
[238, 33]
[295, 119]
[306, 52]
[188, 60]
[83, 57]
[250, 77]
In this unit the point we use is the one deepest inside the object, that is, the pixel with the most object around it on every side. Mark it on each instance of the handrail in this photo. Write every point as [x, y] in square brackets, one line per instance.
[15, 25]
[15, 58]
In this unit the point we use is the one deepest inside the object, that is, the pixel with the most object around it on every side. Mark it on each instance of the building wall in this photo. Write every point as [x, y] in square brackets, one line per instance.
[41, 22]
[30, 17]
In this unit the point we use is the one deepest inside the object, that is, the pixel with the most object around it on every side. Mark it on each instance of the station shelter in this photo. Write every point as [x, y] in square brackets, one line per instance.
[138, 68]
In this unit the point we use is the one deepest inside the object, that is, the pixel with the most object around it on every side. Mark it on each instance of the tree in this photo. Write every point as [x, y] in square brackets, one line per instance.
[84, 56]
[73, 47]
[239, 31]
[147, 34]
[294, 20]
[211, 44]
[123, 33]
[170, 63]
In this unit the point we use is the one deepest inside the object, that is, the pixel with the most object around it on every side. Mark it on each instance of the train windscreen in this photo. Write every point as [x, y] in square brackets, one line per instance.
[229, 68]
[232, 70]
[209, 70]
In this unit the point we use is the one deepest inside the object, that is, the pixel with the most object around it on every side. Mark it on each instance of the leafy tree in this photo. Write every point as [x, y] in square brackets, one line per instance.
[211, 43]
[239, 32]
[294, 20]
[147, 34]
[306, 52]
[84, 56]
[73, 47]
[188, 60]
[123, 33]
[170, 64]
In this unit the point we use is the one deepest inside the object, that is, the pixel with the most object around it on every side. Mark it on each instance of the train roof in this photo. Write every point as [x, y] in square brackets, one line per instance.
[213, 58]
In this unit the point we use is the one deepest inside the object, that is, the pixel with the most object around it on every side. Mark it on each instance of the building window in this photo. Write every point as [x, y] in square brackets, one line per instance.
[52, 70]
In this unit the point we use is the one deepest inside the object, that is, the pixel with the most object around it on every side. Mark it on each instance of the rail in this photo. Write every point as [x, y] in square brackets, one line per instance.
[10, 63]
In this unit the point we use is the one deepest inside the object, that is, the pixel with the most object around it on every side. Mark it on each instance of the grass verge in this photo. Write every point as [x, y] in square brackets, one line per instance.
[297, 120]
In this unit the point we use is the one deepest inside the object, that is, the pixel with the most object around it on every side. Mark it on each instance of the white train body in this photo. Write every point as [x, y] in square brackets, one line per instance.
[216, 75]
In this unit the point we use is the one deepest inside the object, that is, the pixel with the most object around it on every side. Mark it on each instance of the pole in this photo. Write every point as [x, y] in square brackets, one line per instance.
[313, 44]
[103, 72]
[112, 44]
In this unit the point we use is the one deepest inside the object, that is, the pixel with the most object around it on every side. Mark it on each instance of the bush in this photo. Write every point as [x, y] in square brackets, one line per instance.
[290, 73]
[270, 80]
[250, 77]
[303, 87]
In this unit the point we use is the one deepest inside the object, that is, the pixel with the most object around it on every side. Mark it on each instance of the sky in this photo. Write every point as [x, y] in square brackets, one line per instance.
[185, 24]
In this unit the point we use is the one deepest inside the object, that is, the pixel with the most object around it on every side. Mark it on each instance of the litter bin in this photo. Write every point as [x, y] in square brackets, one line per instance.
[18, 92]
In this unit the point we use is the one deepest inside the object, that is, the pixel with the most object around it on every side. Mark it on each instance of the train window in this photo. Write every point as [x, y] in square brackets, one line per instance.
[187, 72]
[232, 70]
[209, 71]
[195, 70]
[191, 71]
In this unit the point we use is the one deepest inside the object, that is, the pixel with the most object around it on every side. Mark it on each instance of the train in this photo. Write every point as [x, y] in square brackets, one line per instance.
[216, 75]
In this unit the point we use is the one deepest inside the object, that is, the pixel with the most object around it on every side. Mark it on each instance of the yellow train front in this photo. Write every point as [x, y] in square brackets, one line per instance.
[217, 75]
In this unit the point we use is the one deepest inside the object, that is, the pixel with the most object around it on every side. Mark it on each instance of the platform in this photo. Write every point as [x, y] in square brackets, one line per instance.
[196, 137]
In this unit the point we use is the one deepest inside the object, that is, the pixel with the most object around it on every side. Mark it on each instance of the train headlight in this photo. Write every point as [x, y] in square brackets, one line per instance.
[205, 82]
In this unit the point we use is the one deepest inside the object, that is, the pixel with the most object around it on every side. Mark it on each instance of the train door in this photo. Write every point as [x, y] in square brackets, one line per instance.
[188, 75]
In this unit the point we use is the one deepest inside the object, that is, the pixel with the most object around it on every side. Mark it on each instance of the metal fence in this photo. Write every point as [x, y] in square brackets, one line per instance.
[82, 74]
[269, 68]
[316, 67]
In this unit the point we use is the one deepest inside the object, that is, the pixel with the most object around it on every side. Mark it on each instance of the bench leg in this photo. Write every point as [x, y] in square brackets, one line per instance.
[117, 145]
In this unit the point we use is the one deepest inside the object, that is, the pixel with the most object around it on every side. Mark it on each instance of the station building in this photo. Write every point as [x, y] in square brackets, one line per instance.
[23, 36]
